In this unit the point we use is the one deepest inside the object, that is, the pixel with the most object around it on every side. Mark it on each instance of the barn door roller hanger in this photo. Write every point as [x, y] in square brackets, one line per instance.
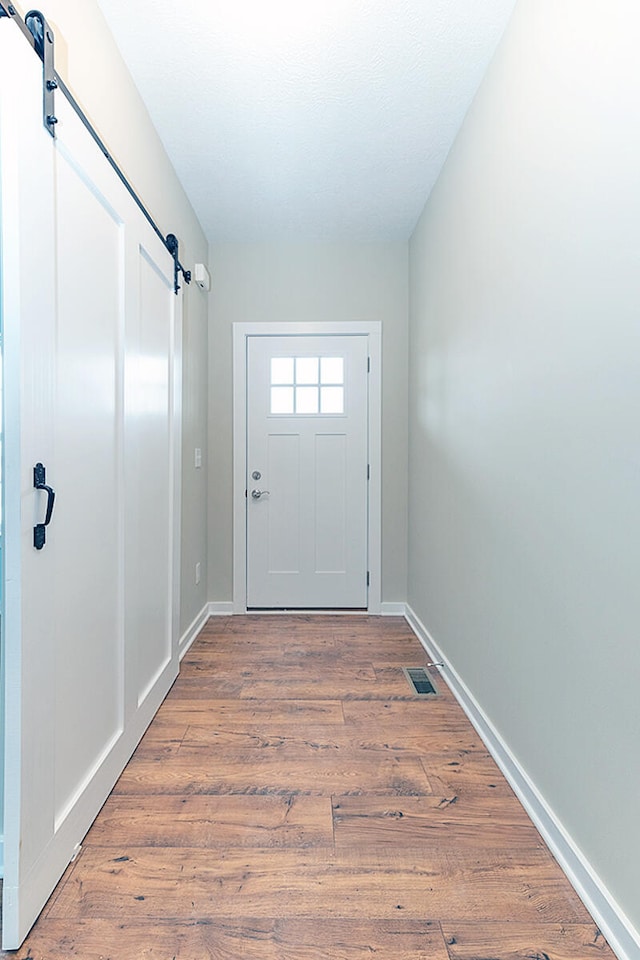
[41, 37]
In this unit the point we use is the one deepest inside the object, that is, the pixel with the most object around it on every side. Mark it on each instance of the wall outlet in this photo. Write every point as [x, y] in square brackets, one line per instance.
[198, 570]
[198, 458]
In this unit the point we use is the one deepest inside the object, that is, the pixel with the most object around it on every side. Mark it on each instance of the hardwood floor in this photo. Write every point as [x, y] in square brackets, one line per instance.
[293, 800]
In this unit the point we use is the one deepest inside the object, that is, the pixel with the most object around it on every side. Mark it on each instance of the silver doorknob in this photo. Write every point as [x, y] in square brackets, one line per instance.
[256, 494]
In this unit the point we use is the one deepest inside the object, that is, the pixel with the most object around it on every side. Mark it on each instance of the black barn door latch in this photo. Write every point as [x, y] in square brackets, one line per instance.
[39, 482]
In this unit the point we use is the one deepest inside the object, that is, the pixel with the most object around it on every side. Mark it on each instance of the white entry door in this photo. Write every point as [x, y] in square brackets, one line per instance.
[307, 471]
[89, 320]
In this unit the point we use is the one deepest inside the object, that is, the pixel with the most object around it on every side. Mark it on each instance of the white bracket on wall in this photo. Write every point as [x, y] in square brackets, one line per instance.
[202, 277]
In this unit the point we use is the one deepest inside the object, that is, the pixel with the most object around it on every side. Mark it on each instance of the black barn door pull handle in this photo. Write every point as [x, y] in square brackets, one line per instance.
[39, 531]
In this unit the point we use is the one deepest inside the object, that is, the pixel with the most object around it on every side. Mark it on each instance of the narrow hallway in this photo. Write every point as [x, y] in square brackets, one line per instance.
[294, 799]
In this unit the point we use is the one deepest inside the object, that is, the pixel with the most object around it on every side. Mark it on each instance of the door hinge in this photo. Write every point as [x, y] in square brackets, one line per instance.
[368, 364]
[368, 578]
[368, 471]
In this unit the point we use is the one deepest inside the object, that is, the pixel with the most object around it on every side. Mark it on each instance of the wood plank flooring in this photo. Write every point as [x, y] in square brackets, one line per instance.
[293, 800]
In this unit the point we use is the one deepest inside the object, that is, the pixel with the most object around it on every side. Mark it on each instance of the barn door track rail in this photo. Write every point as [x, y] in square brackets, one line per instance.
[42, 39]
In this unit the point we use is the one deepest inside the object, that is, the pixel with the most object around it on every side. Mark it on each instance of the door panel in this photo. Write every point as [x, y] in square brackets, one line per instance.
[90, 277]
[284, 536]
[89, 625]
[148, 419]
[307, 437]
[330, 458]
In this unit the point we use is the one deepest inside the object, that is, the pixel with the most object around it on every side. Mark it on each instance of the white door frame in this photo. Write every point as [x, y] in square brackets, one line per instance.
[241, 331]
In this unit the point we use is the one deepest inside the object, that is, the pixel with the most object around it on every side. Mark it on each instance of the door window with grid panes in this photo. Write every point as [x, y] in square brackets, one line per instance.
[307, 386]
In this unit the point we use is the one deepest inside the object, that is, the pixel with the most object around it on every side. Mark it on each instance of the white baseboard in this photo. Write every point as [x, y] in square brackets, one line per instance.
[622, 936]
[220, 608]
[192, 631]
[393, 609]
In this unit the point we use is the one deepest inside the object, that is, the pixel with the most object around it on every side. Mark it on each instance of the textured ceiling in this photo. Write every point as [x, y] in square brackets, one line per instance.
[291, 120]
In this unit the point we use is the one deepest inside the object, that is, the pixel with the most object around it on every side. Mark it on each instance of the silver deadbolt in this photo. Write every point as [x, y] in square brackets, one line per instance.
[256, 475]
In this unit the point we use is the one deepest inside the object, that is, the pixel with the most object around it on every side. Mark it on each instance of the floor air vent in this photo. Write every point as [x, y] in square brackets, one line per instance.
[420, 681]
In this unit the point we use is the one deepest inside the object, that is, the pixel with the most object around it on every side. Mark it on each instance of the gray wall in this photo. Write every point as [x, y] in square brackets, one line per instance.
[195, 345]
[524, 437]
[310, 282]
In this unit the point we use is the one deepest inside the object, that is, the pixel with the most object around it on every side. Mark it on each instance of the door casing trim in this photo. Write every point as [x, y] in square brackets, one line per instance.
[241, 332]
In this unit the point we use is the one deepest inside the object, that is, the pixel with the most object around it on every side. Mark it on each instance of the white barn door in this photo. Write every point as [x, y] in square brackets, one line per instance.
[307, 471]
[91, 326]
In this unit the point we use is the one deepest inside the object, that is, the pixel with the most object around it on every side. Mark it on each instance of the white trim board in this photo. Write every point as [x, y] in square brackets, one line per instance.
[389, 609]
[621, 935]
[192, 631]
[220, 608]
[224, 608]
[241, 331]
